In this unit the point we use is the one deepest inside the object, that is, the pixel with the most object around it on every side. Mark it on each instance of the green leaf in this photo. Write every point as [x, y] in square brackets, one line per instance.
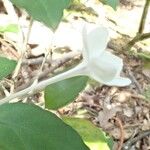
[112, 3]
[49, 12]
[6, 67]
[61, 93]
[28, 127]
[9, 28]
[93, 137]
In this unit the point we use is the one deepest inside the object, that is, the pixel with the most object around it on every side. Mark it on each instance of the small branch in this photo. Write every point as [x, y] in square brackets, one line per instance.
[137, 38]
[4, 89]
[121, 132]
[139, 96]
[143, 18]
[24, 48]
[136, 83]
[36, 77]
[11, 51]
[39, 60]
[33, 61]
[140, 35]
[43, 84]
[130, 142]
[56, 64]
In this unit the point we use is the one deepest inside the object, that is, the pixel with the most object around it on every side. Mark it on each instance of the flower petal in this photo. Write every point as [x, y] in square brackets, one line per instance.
[106, 67]
[119, 81]
[115, 61]
[95, 40]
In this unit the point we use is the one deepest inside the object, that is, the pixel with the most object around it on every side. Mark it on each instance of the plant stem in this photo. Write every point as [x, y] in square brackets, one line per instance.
[23, 48]
[34, 88]
[138, 37]
[130, 142]
[143, 18]
[56, 64]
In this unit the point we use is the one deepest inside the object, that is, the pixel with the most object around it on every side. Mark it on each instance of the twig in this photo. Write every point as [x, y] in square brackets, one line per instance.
[140, 35]
[139, 96]
[39, 60]
[10, 50]
[4, 89]
[121, 132]
[36, 78]
[24, 48]
[56, 64]
[143, 18]
[137, 38]
[136, 83]
[131, 141]
[43, 84]
[33, 61]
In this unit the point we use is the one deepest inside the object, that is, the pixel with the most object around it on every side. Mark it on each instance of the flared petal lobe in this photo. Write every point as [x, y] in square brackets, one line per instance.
[115, 61]
[119, 81]
[105, 68]
[95, 40]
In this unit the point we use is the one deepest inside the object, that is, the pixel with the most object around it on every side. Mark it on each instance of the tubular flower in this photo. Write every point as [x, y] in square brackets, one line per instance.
[97, 63]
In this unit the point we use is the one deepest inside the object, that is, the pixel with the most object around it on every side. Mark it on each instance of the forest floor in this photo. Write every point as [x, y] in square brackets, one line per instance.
[123, 113]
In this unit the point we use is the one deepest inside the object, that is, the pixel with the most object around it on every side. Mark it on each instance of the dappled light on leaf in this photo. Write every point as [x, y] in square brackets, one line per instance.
[93, 137]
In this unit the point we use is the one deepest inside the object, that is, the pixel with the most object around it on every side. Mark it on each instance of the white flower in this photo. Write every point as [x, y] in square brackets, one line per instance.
[97, 63]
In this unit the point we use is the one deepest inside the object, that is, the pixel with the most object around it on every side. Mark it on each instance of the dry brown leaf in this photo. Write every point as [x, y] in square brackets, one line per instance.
[106, 114]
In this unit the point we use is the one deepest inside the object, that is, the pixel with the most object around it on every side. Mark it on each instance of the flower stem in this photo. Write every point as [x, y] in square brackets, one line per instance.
[34, 88]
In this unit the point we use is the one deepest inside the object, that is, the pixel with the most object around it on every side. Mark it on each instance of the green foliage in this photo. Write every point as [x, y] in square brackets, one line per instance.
[28, 127]
[93, 137]
[6, 67]
[9, 28]
[49, 12]
[112, 3]
[61, 93]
